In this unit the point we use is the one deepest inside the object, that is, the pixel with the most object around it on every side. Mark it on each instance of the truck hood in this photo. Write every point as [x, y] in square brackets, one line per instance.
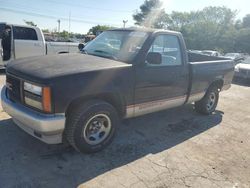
[53, 66]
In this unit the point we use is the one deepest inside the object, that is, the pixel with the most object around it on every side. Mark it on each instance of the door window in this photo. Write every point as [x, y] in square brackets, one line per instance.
[24, 33]
[169, 48]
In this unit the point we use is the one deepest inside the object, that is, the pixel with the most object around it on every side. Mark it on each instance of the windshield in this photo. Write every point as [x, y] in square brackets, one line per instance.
[118, 45]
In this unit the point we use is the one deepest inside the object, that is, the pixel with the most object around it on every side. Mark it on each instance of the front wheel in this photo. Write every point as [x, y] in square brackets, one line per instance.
[208, 103]
[91, 127]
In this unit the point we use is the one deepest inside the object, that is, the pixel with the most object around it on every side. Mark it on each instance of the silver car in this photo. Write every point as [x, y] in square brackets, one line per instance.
[242, 70]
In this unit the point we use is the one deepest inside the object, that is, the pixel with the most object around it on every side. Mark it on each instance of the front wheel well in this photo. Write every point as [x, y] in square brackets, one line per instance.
[112, 99]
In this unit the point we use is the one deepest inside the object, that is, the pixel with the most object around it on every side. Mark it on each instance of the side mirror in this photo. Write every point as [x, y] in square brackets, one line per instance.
[81, 46]
[154, 58]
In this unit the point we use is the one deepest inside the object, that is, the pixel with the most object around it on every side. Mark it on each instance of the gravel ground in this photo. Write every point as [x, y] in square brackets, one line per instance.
[173, 148]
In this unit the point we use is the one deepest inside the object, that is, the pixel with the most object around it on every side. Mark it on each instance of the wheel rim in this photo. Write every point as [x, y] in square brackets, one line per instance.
[211, 101]
[97, 129]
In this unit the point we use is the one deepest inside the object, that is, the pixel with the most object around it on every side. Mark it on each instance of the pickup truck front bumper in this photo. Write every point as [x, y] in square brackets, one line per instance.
[46, 127]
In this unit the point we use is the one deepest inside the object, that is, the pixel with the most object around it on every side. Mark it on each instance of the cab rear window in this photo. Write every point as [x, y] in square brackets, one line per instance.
[24, 33]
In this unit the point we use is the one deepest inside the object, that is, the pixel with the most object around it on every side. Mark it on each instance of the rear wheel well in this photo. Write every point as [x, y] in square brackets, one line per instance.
[109, 98]
[217, 84]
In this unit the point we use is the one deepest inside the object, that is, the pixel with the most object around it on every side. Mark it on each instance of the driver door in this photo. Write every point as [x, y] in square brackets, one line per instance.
[164, 85]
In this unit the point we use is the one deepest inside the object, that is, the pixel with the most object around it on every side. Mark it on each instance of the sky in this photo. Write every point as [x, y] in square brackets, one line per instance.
[83, 14]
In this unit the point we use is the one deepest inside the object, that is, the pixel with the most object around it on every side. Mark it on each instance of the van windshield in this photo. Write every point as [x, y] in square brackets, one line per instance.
[118, 45]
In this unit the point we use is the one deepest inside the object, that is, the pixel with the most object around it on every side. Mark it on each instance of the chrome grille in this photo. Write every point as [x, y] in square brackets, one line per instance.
[13, 85]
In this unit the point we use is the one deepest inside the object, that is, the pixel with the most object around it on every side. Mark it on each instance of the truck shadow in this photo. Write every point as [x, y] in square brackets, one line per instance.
[2, 71]
[27, 162]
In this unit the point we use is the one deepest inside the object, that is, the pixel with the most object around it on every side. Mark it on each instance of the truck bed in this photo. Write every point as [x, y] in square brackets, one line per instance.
[206, 69]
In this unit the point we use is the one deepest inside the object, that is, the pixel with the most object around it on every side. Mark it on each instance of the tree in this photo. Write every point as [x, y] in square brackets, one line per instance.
[30, 23]
[178, 20]
[64, 34]
[246, 21]
[151, 14]
[45, 30]
[210, 28]
[97, 28]
[243, 40]
[238, 24]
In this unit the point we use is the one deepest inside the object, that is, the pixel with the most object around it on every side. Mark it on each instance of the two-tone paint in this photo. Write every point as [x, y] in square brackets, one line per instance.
[134, 88]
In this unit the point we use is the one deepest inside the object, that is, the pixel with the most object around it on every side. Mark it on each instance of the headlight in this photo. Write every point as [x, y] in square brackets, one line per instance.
[37, 96]
[32, 88]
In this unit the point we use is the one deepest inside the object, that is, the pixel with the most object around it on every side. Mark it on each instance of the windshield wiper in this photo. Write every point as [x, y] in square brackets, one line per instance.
[101, 51]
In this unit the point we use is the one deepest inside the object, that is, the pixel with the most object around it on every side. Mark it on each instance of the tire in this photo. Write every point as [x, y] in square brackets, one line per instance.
[91, 127]
[208, 103]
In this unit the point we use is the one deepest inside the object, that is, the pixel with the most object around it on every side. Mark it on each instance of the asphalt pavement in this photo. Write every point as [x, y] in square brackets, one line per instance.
[172, 148]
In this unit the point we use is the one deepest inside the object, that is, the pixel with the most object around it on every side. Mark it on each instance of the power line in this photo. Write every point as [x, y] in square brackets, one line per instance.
[53, 17]
[77, 13]
[87, 7]
[78, 5]
[45, 10]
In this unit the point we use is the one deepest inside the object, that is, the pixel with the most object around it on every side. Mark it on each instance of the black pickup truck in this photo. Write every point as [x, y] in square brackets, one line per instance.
[123, 73]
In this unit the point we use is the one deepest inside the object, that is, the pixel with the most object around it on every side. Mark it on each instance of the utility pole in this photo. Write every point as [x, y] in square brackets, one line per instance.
[69, 21]
[124, 23]
[59, 22]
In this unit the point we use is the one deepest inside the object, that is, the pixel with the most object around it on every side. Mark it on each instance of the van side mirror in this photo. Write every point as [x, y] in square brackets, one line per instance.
[81, 46]
[154, 58]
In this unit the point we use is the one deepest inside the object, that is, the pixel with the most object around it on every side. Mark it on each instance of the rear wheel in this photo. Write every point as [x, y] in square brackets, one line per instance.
[209, 102]
[91, 127]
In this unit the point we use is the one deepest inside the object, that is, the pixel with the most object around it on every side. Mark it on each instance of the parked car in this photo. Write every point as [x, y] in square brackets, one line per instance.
[242, 70]
[79, 98]
[211, 53]
[237, 57]
[195, 51]
[27, 41]
[233, 55]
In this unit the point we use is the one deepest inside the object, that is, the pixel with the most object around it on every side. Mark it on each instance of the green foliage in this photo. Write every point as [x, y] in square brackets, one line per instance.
[64, 34]
[151, 14]
[45, 30]
[97, 28]
[30, 23]
[210, 28]
[246, 21]
[242, 43]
